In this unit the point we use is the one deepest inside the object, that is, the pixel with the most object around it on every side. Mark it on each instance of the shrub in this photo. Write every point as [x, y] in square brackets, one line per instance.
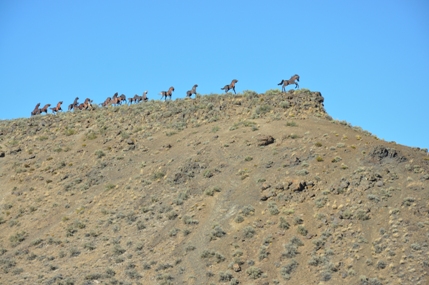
[320, 202]
[99, 153]
[190, 221]
[284, 224]
[18, 238]
[272, 207]
[217, 232]
[288, 268]
[225, 276]
[249, 232]
[254, 272]
[158, 175]
[248, 210]
[239, 219]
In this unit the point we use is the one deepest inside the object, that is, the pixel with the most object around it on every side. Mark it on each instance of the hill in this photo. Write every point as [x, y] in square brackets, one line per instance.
[223, 189]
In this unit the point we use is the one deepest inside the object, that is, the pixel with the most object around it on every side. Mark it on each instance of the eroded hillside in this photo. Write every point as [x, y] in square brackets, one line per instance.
[223, 189]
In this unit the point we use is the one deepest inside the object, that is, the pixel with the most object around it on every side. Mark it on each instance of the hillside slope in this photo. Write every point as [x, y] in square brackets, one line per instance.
[223, 189]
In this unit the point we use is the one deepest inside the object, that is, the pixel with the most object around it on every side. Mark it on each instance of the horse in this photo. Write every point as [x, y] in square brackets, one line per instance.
[230, 86]
[57, 108]
[115, 99]
[36, 110]
[45, 108]
[134, 99]
[74, 104]
[289, 82]
[192, 91]
[88, 104]
[168, 93]
[106, 102]
[144, 97]
[122, 98]
[85, 105]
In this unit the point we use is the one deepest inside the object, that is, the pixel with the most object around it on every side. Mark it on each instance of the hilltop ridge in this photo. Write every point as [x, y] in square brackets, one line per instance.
[223, 189]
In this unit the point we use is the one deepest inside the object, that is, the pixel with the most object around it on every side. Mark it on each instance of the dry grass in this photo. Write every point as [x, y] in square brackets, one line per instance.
[181, 193]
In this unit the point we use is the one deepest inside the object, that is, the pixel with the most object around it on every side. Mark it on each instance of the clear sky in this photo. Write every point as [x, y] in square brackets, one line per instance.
[369, 59]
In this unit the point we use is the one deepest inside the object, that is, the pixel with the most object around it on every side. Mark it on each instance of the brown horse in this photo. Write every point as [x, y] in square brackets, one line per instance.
[230, 86]
[106, 102]
[74, 104]
[168, 93]
[57, 108]
[189, 93]
[85, 105]
[115, 99]
[36, 110]
[45, 108]
[122, 98]
[289, 82]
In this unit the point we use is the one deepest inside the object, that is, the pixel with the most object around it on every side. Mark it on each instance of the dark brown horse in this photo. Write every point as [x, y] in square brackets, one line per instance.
[45, 108]
[85, 105]
[122, 98]
[115, 99]
[230, 86]
[57, 108]
[74, 104]
[168, 93]
[36, 110]
[289, 82]
[189, 93]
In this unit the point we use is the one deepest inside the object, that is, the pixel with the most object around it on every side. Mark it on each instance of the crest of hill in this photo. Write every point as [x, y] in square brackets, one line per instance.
[224, 189]
[183, 113]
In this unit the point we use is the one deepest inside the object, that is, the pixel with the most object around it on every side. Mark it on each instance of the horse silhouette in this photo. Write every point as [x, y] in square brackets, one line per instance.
[74, 104]
[106, 102]
[134, 99]
[189, 93]
[45, 108]
[169, 93]
[36, 110]
[230, 86]
[57, 108]
[289, 82]
[144, 97]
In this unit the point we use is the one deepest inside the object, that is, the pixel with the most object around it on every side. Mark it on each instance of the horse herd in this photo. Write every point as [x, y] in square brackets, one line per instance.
[116, 100]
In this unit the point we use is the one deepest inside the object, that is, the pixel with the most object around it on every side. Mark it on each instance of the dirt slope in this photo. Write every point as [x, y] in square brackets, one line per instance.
[223, 189]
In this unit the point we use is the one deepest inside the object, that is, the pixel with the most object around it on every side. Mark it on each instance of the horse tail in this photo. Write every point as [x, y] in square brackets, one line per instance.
[281, 82]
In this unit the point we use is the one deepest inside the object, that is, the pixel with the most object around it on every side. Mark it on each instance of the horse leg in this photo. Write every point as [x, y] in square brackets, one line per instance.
[233, 88]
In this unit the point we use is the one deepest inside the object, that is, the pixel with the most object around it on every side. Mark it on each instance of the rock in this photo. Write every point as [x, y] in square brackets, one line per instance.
[379, 184]
[383, 154]
[265, 186]
[15, 151]
[264, 140]
[297, 186]
[2, 154]
[236, 267]
[280, 187]
[130, 142]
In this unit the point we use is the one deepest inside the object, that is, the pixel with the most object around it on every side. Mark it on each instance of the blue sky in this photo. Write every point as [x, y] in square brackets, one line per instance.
[369, 59]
